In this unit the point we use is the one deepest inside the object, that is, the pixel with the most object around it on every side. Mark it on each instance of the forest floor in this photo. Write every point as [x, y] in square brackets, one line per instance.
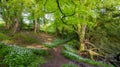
[56, 59]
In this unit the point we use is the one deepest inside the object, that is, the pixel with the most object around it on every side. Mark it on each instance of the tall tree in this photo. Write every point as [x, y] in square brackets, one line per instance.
[78, 14]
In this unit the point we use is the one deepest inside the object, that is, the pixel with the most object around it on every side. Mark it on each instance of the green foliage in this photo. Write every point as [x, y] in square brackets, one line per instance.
[39, 51]
[4, 37]
[78, 58]
[15, 56]
[70, 49]
[69, 65]
[67, 7]
[1, 23]
[48, 28]
[19, 56]
[37, 62]
[4, 50]
[105, 35]
[73, 43]
[49, 7]
[56, 42]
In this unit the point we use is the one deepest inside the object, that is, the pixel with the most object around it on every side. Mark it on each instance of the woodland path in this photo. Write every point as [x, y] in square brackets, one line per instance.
[56, 59]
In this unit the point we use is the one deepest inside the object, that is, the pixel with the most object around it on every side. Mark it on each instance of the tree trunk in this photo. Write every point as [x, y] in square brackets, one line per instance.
[36, 25]
[82, 39]
[16, 26]
[81, 33]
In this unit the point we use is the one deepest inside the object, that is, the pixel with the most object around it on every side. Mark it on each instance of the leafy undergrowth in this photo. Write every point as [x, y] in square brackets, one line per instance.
[14, 56]
[78, 58]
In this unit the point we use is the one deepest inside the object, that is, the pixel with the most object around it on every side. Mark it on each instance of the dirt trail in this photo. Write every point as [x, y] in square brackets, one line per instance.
[58, 60]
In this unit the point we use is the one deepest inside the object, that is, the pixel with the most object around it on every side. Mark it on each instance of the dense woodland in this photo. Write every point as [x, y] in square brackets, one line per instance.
[52, 33]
